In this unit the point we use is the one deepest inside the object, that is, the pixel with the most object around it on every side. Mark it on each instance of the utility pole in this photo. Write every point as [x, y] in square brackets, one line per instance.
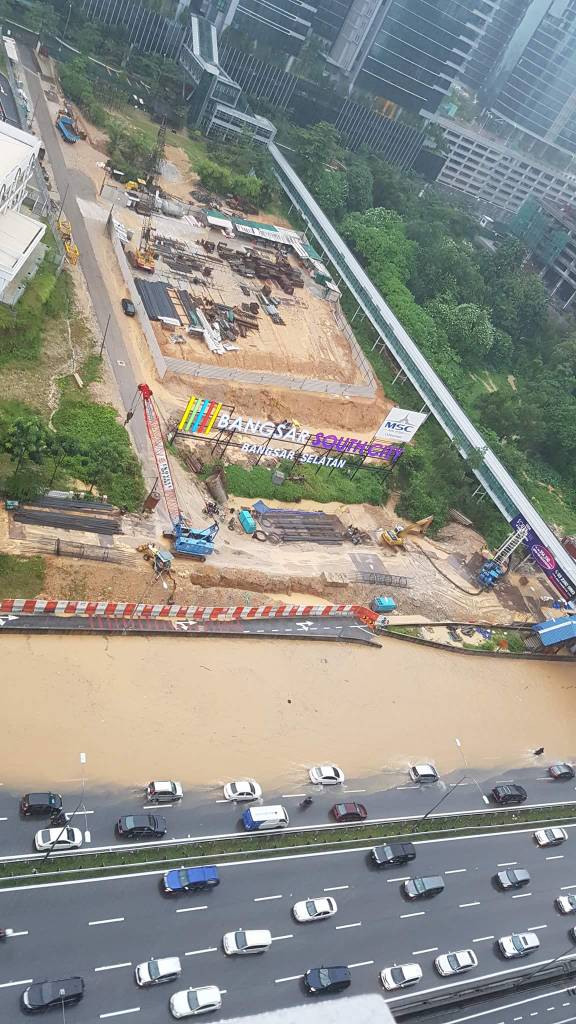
[105, 333]
[440, 801]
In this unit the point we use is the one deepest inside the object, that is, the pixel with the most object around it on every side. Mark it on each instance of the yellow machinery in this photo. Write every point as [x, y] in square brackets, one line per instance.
[69, 243]
[396, 536]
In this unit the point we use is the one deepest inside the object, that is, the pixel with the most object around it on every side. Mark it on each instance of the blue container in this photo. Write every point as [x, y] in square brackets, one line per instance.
[247, 523]
[383, 604]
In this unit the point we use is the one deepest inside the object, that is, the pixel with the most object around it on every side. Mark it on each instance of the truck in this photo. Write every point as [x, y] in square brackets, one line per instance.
[65, 126]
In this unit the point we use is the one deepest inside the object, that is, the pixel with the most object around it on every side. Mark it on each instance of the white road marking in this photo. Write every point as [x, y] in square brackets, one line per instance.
[188, 910]
[120, 1013]
[288, 796]
[573, 886]
[432, 949]
[484, 977]
[108, 920]
[293, 977]
[335, 888]
[70, 814]
[521, 895]
[476, 903]
[3, 819]
[507, 864]
[455, 871]
[537, 927]
[196, 952]
[418, 913]
[357, 924]
[363, 963]
[278, 938]
[154, 807]
[262, 899]
[8, 984]
[14, 935]
[403, 879]
[556, 856]
[223, 800]
[484, 938]
[113, 967]
[355, 790]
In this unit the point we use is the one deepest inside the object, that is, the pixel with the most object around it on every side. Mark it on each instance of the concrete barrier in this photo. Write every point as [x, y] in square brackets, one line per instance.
[126, 609]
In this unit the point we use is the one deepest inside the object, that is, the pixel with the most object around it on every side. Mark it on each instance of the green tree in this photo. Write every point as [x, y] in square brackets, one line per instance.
[360, 185]
[42, 18]
[468, 328]
[103, 461]
[331, 191]
[378, 237]
[26, 440]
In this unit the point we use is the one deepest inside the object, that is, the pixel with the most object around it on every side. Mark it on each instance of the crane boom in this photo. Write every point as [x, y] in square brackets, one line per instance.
[160, 456]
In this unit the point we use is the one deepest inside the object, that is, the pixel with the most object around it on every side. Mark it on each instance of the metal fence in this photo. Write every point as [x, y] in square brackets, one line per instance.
[146, 326]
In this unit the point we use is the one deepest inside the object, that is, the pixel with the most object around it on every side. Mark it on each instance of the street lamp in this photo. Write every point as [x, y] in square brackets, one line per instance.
[83, 760]
[74, 813]
[437, 804]
[467, 767]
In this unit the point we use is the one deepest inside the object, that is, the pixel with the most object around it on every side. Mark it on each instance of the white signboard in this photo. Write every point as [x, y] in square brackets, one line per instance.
[400, 425]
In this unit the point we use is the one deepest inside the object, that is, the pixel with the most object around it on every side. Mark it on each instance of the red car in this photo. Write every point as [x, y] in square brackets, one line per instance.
[349, 812]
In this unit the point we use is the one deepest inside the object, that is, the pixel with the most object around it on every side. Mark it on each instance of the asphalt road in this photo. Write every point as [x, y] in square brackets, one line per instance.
[203, 811]
[71, 185]
[102, 929]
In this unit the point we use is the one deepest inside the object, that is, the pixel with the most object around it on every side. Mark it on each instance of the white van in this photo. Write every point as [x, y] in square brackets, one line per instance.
[256, 818]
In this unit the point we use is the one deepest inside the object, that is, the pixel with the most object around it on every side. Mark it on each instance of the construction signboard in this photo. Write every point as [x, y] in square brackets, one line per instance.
[400, 425]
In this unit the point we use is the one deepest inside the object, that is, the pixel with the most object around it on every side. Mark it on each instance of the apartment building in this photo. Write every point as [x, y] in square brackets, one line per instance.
[20, 234]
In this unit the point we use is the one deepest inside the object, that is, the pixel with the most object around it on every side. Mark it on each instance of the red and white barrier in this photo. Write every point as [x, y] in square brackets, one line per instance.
[127, 610]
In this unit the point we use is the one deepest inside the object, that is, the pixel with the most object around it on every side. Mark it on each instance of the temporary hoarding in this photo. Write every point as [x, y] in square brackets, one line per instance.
[400, 425]
[546, 561]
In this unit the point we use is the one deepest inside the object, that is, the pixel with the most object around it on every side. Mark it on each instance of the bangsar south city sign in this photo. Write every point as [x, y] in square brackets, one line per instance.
[203, 418]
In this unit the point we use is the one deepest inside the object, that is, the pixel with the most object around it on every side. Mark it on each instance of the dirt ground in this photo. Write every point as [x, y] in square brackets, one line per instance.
[270, 710]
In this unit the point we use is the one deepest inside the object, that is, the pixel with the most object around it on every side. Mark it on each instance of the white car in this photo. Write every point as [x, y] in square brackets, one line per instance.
[401, 976]
[58, 839]
[456, 963]
[167, 792]
[194, 1001]
[314, 910]
[423, 773]
[565, 904]
[243, 942]
[242, 789]
[550, 836]
[518, 944]
[326, 775]
[156, 972]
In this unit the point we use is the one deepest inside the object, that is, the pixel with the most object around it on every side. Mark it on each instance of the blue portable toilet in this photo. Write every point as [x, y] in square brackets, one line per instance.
[247, 523]
[383, 604]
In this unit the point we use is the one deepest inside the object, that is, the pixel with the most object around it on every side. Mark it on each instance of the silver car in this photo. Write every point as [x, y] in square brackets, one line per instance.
[156, 972]
[194, 1001]
[166, 792]
[518, 944]
[58, 839]
[242, 789]
[400, 976]
[456, 963]
[326, 775]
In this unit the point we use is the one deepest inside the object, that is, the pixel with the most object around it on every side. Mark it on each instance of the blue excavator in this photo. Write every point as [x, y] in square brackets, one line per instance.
[197, 544]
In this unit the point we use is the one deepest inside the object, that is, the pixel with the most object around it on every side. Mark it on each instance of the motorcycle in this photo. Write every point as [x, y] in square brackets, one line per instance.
[306, 802]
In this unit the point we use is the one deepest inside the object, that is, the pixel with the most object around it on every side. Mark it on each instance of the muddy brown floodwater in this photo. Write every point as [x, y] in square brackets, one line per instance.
[206, 710]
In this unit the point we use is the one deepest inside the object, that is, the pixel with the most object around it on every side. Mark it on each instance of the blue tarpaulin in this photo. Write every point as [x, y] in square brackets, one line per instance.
[556, 631]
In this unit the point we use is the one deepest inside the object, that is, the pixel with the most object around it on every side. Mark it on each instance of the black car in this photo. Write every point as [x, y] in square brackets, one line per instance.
[327, 979]
[42, 805]
[141, 826]
[45, 995]
[512, 878]
[392, 853]
[561, 771]
[128, 307]
[509, 793]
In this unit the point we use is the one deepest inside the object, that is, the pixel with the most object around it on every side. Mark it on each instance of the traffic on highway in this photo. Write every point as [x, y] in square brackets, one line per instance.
[255, 934]
[205, 812]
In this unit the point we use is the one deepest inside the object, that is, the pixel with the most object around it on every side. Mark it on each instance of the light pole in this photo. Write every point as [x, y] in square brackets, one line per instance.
[62, 993]
[105, 333]
[83, 759]
[467, 767]
[437, 804]
[72, 816]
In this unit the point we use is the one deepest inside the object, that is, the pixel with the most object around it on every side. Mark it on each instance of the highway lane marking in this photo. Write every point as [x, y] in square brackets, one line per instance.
[484, 977]
[108, 920]
[476, 903]
[521, 895]
[278, 938]
[403, 879]
[119, 1013]
[417, 913]
[293, 977]
[154, 807]
[223, 800]
[262, 899]
[508, 1006]
[432, 949]
[484, 938]
[455, 871]
[537, 927]
[556, 856]
[573, 886]
[70, 814]
[188, 910]
[507, 864]
[8, 984]
[14, 935]
[355, 790]
[357, 924]
[196, 952]
[289, 796]
[362, 963]
[335, 888]
[113, 967]
[3, 819]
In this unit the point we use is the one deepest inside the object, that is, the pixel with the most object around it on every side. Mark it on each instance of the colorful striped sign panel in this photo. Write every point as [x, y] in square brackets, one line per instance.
[199, 416]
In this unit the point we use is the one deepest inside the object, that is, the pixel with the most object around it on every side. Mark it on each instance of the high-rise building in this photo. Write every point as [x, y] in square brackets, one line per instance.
[533, 88]
[330, 17]
[483, 59]
[281, 25]
[408, 51]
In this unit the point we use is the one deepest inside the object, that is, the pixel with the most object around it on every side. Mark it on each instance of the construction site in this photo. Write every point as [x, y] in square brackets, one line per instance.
[242, 355]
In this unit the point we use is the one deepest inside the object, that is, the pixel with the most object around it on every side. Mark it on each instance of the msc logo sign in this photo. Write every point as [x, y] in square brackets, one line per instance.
[400, 424]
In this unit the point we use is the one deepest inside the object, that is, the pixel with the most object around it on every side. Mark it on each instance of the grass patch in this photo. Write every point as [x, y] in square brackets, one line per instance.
[21, 577]
[317, 484]
[162, 858]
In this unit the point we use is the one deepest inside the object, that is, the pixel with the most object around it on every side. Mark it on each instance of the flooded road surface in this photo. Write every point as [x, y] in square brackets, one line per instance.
[206, 710]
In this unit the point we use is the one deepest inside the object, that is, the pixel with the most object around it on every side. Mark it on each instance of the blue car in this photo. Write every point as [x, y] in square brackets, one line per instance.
[182, 880]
